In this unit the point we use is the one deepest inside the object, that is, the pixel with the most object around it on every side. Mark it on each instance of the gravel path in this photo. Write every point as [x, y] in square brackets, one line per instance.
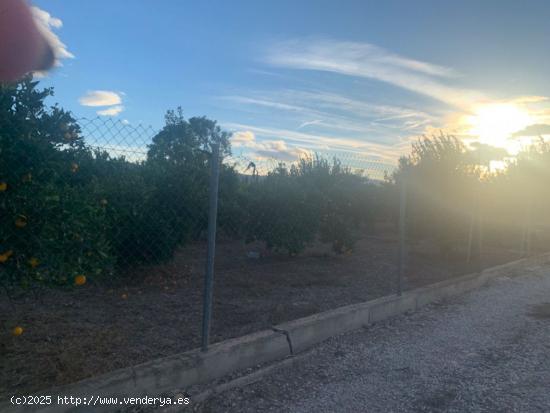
[488, 351]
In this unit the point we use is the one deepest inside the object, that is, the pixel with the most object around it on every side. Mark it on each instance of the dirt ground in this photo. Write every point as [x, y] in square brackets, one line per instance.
[484, 351]
[73, 334]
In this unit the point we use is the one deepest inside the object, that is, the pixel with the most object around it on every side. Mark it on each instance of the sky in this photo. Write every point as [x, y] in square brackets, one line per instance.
[364, 78]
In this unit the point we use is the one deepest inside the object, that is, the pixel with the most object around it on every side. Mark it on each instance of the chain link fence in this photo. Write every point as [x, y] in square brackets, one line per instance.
[275, 216]
[323, 212]
[126, 211]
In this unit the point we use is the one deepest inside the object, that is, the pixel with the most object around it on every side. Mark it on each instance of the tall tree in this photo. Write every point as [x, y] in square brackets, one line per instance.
[183, 141]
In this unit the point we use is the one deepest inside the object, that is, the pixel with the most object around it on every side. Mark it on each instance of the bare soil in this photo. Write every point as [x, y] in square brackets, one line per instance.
[484, 351]
[73, 334]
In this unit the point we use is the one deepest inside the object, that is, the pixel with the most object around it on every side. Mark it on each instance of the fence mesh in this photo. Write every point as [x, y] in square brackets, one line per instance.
[117, 138]
[148, 206]
[145, 208]
[181, 193]
[115, 217]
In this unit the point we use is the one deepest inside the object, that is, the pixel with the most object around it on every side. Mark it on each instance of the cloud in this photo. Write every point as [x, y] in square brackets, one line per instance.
[534, 130]
[334, 112]
[383, 57]
[266, 149]
[111, 101]
[46, 23]
[263, 102]
[374, 160]
[530, 99]
[100, 98]
[278, 150]
[310, 123]
[369, 61]
[354, 107]
[272, 138]
[242, 138]
[345, 121]
[112, 111]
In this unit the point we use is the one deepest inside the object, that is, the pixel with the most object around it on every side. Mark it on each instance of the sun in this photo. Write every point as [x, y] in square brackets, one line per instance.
[494, 123]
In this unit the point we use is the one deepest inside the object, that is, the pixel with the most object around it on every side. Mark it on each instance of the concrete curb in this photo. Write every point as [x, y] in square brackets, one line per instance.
[157, 376]
[194, 367]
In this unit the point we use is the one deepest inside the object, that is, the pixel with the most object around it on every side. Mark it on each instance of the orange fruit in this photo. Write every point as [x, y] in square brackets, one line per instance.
[34, 262]
[80, 280]
[74, 167]
[6, 255]
[17, 331]
[21, 221]
[124, 296]
[3, 186]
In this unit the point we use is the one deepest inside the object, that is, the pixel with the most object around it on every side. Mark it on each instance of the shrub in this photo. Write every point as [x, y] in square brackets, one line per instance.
[151, 209]
[345, 209]
[342, 200]
[441, 182]
[279, 212]
[160, 204]
[123, 192]
[313, 198]
[51, 222]
[232, 204]
[178, 203]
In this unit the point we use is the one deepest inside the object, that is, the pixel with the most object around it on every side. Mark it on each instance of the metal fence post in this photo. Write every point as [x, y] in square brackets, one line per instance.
[475, 230]
[209, 275]
[528, 227]
[470, 238]
[402, 234]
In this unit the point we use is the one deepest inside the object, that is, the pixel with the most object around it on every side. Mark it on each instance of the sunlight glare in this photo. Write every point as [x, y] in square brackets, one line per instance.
[497, 166]
[494, 123]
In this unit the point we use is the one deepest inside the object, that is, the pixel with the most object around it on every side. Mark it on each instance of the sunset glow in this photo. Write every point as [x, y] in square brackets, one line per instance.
[495, 123]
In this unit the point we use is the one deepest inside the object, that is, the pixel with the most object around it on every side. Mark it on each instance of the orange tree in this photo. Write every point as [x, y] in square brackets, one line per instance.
[443, 179]
[280, 212]
[51, 223]
[177, 170]
[312, 199]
